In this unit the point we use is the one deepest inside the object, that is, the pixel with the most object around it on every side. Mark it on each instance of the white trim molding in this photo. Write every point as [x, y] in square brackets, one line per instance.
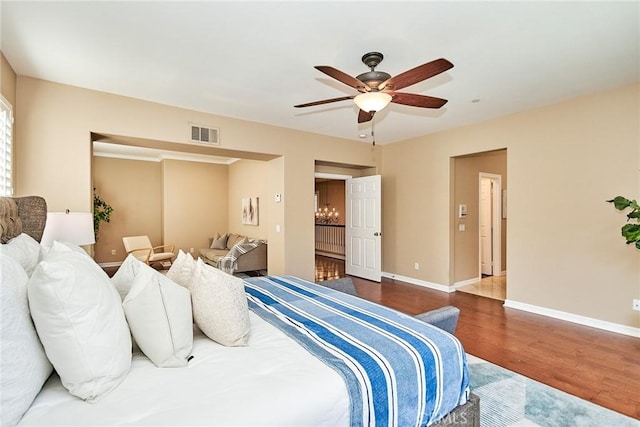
[574, 318]
[423, 283]
[467, 282]
[110, 264]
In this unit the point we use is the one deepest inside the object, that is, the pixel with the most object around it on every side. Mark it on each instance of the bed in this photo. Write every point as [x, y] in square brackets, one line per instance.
[312, 355]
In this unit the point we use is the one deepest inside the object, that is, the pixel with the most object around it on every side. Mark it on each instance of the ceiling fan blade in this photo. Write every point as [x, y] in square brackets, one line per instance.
[343, 77]
[324, 101]
[415, 75]
[363, 116]
[415, 100]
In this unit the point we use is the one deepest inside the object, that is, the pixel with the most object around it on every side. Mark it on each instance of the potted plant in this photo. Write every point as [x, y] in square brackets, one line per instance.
[101, 212]
[631, 230]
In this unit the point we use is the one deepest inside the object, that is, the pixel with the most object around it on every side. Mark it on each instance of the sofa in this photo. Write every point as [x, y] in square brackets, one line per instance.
[235, 253]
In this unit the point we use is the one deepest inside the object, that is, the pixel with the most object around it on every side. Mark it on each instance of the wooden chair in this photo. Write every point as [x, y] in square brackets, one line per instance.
[141, 248]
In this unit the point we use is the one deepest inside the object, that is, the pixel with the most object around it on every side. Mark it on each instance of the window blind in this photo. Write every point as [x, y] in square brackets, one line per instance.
[6, 148]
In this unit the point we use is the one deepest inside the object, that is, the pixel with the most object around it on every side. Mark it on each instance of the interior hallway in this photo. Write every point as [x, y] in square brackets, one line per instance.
[494, 287]
[490, 286]
[328, 268]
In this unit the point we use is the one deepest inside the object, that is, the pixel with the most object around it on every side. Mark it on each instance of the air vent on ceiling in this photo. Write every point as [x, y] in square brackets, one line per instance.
[205, 134]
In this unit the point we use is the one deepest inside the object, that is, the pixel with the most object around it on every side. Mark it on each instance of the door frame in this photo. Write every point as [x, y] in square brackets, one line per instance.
[496, 222]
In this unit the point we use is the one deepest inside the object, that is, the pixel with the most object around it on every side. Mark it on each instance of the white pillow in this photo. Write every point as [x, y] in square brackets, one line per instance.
[123, 279]
[24, 249]
[183, 270]
[220, 306]
[159, 315]
[81, 323]
[24, 366]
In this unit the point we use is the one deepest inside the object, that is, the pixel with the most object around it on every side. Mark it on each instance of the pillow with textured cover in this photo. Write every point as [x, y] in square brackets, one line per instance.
[220, 307]
[159, 314]
[25, 250]
[219, 242]
[183, 270]
[24, 366]
[234, 239]
[80, 322]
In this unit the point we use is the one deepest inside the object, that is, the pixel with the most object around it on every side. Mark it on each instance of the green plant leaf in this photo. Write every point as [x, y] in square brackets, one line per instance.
[620, 202]
[631, 232]
[634, 214]
[101, 212]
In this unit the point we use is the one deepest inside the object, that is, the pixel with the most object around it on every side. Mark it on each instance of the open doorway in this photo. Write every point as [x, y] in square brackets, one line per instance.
[489, 225]
[479, 233]
[330, 215]
[347, 224]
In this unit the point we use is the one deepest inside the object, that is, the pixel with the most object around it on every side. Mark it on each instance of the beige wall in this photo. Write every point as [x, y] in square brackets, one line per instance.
[172, 201]
[564, 246]
[195, 203]
[248, 178]
[466, 243]
[134, 191]
[54, 155]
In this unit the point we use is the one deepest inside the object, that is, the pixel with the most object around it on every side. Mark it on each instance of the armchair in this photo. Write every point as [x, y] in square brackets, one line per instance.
[141, 248]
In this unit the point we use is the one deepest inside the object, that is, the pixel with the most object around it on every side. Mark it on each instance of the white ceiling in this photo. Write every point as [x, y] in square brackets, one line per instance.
[254, 60]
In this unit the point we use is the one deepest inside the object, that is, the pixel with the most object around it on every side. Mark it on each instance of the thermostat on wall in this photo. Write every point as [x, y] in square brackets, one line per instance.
[462, 211]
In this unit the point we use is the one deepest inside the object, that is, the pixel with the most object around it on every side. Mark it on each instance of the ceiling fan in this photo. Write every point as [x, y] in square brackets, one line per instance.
[377, 88]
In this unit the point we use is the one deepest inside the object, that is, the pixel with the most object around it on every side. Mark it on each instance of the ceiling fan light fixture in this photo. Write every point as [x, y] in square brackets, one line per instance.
[372, 101]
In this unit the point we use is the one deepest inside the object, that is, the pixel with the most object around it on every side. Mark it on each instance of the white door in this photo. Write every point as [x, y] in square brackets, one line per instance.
[363, 229]
[486, 241]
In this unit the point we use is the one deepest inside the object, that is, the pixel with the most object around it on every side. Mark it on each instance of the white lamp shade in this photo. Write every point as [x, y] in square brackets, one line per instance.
[372, 101]
[74, 227]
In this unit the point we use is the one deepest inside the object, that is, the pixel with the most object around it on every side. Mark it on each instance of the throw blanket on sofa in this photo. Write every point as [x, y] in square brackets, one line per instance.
[399, 371]
[229, 262]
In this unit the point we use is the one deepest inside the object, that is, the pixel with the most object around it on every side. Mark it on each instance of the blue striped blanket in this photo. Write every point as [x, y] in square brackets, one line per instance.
[399, 371]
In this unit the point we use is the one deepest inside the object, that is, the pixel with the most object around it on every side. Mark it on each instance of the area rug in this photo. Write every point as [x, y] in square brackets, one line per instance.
[510, 399]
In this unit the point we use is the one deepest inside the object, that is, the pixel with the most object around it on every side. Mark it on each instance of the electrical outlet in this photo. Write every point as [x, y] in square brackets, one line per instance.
[191, 250]
[416, 266]
[636, 304]
[113, 251]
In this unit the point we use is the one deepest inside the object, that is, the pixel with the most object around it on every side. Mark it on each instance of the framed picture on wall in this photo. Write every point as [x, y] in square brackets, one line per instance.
[250, 210]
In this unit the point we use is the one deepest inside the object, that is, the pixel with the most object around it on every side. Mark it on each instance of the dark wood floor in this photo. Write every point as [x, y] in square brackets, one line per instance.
[599, 366]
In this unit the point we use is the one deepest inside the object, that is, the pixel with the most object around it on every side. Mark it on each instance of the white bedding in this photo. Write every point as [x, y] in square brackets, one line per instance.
[273, 381]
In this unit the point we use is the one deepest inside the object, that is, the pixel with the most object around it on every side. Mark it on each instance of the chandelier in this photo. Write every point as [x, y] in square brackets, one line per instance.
[326, 216]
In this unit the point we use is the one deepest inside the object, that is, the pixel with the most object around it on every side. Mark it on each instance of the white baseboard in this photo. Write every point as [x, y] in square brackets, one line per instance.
[575, 318]
[556, 314]
[419, 282]
[466, 282]
[110, 264]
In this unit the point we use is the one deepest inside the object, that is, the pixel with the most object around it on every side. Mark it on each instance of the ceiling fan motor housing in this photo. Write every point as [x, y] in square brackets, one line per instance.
[373, 78]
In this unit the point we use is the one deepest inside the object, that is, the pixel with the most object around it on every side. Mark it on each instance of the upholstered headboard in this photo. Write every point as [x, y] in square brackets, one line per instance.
[22, 215]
